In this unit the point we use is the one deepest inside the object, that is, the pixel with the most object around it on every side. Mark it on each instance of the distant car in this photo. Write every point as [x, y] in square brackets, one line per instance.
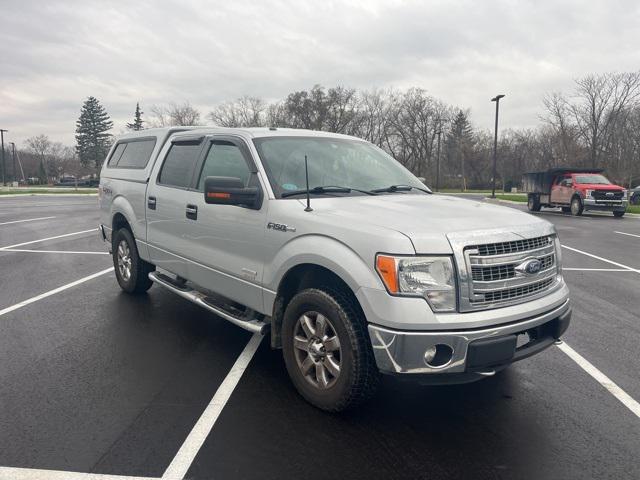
[634, 195]
[574, 190]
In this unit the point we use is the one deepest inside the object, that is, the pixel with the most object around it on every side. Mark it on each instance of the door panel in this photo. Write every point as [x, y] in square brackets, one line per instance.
[225, 242]
[167, 198]
[558, 191]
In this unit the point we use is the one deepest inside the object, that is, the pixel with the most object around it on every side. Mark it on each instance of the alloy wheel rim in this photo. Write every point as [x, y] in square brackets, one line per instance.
[124, 260]
[317, 350]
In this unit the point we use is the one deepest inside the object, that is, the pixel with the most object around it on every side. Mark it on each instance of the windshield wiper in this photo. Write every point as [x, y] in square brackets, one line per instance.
[326, 189]
[400, 188]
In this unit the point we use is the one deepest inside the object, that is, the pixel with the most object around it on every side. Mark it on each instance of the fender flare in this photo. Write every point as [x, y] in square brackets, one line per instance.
[325, 252]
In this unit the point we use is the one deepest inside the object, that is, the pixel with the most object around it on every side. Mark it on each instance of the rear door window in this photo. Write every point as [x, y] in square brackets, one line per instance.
[179, 164]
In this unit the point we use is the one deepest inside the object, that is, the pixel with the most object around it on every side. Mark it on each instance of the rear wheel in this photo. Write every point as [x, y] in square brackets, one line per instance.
[533, 203]
[576, 207]
[619, 213]
[327, 350]
[132, 272]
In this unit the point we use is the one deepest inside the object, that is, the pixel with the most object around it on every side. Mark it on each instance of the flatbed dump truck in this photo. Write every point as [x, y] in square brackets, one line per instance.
[574, 190]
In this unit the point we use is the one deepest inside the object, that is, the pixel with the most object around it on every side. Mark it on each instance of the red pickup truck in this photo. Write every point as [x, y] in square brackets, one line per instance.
[574, 190]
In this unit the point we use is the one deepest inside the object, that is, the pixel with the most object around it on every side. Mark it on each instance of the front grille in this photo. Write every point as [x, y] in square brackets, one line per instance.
[504, 272]
[511, 247]
[490, 274]
[517, 292]
[602, 194]
[495, 278]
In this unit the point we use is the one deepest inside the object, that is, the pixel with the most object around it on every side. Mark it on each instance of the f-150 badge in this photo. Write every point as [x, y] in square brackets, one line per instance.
[281, 227]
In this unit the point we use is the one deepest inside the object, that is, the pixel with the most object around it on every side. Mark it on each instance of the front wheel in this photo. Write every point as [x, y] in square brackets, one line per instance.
[619, 213]
[132, 272]
[576, 207]
[327, 350]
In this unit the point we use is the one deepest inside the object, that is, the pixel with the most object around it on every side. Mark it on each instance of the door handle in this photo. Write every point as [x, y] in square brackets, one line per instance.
[151, 203]
[192, 212]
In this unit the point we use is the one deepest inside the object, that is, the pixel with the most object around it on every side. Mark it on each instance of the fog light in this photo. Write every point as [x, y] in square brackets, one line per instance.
[438, 356]
[429, 355]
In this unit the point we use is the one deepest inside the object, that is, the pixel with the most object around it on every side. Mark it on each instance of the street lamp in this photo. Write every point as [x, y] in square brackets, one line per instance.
[13, 156]
[439, 132]
[2, 131]
[495, 145]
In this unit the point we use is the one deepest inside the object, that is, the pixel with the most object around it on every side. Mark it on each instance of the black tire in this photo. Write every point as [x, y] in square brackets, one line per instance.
[358, 375]
[137, 279]
[533, 203]
[566, 209]
[619, 213]
[576, 206]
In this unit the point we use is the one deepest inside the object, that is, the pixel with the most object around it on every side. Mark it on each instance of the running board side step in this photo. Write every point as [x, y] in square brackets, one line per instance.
[194, 296]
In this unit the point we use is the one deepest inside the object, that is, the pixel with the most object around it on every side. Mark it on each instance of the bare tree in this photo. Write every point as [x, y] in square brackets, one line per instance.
[599, 100]
[246, 111]
[40, 146]
[173, 115]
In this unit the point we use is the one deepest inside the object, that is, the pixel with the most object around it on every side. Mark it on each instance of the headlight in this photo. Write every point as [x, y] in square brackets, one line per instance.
[625, 193]
[589, 193]
[429, 277]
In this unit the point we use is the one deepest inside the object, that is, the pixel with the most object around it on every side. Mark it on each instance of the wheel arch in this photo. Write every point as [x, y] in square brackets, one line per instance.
[298, 278]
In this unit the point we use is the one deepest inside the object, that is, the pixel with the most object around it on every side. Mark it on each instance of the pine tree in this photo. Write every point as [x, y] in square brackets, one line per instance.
[92, 139]
[459, 141]
[137, 120]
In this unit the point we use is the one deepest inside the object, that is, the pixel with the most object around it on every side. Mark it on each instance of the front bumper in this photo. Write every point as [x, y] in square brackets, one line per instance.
[476, 352]
[593, 204]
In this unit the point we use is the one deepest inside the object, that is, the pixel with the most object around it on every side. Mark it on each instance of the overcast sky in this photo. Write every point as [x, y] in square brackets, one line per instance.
[55, 53]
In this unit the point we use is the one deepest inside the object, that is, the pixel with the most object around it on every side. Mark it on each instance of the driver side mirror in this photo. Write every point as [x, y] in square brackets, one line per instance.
[231, 191]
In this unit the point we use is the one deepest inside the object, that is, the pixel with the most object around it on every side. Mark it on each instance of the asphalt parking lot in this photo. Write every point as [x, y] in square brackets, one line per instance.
[96, 381]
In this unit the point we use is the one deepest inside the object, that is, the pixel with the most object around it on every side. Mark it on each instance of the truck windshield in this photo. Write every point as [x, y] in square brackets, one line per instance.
[593, 178]
[352, 164]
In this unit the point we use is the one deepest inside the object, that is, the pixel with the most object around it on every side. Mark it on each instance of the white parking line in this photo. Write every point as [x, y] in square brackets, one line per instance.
[31, 300]
[53, 251]
[179, 466]
[630, 234]
[626, 267]
[48, 238]
[27, 220]
[565, 269]
[11, 473]
[602, 379]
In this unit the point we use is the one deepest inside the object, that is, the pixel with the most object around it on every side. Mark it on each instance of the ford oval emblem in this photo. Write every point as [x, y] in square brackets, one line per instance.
[530, 267]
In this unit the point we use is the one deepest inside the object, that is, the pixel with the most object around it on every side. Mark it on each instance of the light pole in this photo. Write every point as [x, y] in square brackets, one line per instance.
[495, 145]
[13, 156]
[3, 164]
[439, 132]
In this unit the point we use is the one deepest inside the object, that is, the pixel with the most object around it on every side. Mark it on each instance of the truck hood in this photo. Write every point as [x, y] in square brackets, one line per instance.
[599, 186]
[425, 219]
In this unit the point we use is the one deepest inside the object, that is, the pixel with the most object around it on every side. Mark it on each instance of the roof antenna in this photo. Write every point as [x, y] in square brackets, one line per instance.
[306, 173]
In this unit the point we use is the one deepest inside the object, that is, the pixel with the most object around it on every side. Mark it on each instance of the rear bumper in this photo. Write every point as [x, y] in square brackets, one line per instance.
[473, 353]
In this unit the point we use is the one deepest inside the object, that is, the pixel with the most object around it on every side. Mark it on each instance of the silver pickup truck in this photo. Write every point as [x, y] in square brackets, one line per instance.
[327, 243]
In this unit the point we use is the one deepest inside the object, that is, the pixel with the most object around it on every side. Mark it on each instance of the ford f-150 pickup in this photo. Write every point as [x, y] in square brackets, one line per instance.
[328, 244]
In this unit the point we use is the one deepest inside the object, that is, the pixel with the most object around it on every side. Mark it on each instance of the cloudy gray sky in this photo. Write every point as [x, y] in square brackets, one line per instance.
[54, 54]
